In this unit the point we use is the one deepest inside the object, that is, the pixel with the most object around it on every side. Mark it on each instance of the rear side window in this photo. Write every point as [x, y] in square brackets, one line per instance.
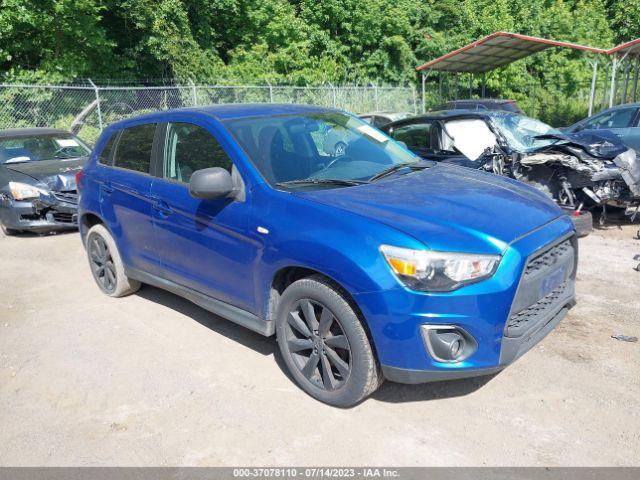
[105, 155]
[189, 148]
[415, 136]
[134, 148]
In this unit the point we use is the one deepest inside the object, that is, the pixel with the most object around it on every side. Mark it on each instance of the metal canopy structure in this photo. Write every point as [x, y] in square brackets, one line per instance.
[502, 48]
[496, 50]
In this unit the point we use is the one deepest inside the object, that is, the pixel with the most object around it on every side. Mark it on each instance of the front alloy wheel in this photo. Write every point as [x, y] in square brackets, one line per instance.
[317, 344]
[324, 342]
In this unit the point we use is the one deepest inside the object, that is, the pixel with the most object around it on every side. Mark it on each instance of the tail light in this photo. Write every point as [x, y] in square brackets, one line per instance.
[78, 179]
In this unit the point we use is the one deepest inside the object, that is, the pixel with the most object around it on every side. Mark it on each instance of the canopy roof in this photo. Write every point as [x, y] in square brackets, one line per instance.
[502, 48]
[631, 48]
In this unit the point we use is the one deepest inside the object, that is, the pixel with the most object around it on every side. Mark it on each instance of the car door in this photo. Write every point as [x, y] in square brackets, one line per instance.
[125, 203]
[205, 243]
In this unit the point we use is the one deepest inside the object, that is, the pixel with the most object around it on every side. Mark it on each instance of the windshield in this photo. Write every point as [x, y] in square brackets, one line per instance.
[33, 148]
[520, 132]
[317, 146]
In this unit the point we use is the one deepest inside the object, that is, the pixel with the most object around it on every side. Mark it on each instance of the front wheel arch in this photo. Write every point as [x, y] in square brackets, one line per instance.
[285, 276]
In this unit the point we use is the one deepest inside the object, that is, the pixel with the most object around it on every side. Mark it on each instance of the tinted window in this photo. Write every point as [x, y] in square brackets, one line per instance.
[105, 156]
[189, 148]
[415, 136]
[134, 148]
[614, 119]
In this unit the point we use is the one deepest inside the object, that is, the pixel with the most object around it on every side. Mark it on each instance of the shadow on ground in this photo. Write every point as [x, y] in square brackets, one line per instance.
[388, 392]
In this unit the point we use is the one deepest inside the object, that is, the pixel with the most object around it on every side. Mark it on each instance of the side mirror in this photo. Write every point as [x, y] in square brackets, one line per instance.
[211, 183]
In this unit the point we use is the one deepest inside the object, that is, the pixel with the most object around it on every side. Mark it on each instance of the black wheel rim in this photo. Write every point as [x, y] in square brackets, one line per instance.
[318, 345]
[102, 266]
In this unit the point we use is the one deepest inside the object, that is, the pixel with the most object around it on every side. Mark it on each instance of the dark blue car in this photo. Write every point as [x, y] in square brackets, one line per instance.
[366, 262]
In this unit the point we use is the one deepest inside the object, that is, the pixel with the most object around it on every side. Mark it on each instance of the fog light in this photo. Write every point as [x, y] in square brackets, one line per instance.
[448, 343]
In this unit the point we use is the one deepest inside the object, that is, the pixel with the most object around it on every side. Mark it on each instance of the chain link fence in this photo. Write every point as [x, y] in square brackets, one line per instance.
[88, 109]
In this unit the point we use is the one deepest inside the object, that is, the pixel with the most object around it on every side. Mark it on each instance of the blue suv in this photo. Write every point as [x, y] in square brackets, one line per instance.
[364, 260]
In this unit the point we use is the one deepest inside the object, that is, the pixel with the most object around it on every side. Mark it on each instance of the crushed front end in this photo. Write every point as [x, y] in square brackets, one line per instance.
[54, 210]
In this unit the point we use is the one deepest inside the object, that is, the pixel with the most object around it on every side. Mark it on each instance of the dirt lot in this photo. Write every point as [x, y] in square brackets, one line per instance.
[154, 380]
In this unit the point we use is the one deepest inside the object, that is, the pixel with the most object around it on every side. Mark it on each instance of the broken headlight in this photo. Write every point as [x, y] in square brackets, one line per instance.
[428, 270]
[24, 191]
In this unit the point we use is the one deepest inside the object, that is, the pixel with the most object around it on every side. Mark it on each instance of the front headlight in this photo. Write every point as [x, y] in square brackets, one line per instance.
[428, 270]
[24, 191]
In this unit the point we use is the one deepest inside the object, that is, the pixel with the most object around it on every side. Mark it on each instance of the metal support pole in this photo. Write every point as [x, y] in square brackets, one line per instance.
[484, 84]
[414, 95]
[333, 90]
[470, 84]
[270, 92]
[424, 100]
[592, 94]
[625, 84]
[375, 96]
[195, 93]
[455, 91]
[612, 92]
[440, 86]
[97, 92]
[634, 95]
[606, 86]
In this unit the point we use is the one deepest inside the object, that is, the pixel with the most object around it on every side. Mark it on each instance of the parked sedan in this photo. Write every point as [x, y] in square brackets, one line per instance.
[622, 120]
[37, 179]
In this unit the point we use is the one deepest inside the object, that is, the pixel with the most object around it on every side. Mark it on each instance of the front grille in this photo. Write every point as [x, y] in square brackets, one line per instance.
[524, 320]
[534, 305]
[64, 217]
[548, 258]
[70, 196]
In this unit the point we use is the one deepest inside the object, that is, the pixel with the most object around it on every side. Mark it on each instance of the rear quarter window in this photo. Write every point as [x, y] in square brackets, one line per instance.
[133, 151]
[104, 157]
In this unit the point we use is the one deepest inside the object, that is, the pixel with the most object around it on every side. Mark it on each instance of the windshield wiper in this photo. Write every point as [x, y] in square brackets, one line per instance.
[322, 181]
[394, 168]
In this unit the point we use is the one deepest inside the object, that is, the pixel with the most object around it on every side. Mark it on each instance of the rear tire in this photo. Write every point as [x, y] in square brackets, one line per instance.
[324, 344]
[106, 264]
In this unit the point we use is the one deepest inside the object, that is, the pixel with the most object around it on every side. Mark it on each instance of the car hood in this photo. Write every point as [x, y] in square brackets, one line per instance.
[57, 175]
[448, 207]
[604, 145]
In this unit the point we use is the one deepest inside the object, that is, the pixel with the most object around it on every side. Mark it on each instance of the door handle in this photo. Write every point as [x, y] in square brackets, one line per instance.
[162, 207]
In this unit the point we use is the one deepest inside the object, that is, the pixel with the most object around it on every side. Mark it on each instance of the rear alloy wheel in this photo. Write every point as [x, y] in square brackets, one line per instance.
[106, 264]
[324, 344]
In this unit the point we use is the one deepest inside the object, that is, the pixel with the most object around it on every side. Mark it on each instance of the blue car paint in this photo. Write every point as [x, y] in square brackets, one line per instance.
[336, 232]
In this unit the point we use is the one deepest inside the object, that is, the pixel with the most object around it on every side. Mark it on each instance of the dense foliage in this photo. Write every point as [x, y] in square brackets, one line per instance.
[306, 41]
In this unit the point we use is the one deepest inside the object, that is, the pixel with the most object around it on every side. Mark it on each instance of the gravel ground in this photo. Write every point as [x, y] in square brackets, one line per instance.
[152, 379]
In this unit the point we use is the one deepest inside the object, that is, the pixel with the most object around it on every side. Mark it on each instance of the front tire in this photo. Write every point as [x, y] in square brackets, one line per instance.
[106, 264]
[324, 344]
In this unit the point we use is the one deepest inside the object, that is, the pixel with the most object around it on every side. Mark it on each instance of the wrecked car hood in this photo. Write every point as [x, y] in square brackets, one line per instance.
[606, 146]
[449, 207]
[57, 175]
